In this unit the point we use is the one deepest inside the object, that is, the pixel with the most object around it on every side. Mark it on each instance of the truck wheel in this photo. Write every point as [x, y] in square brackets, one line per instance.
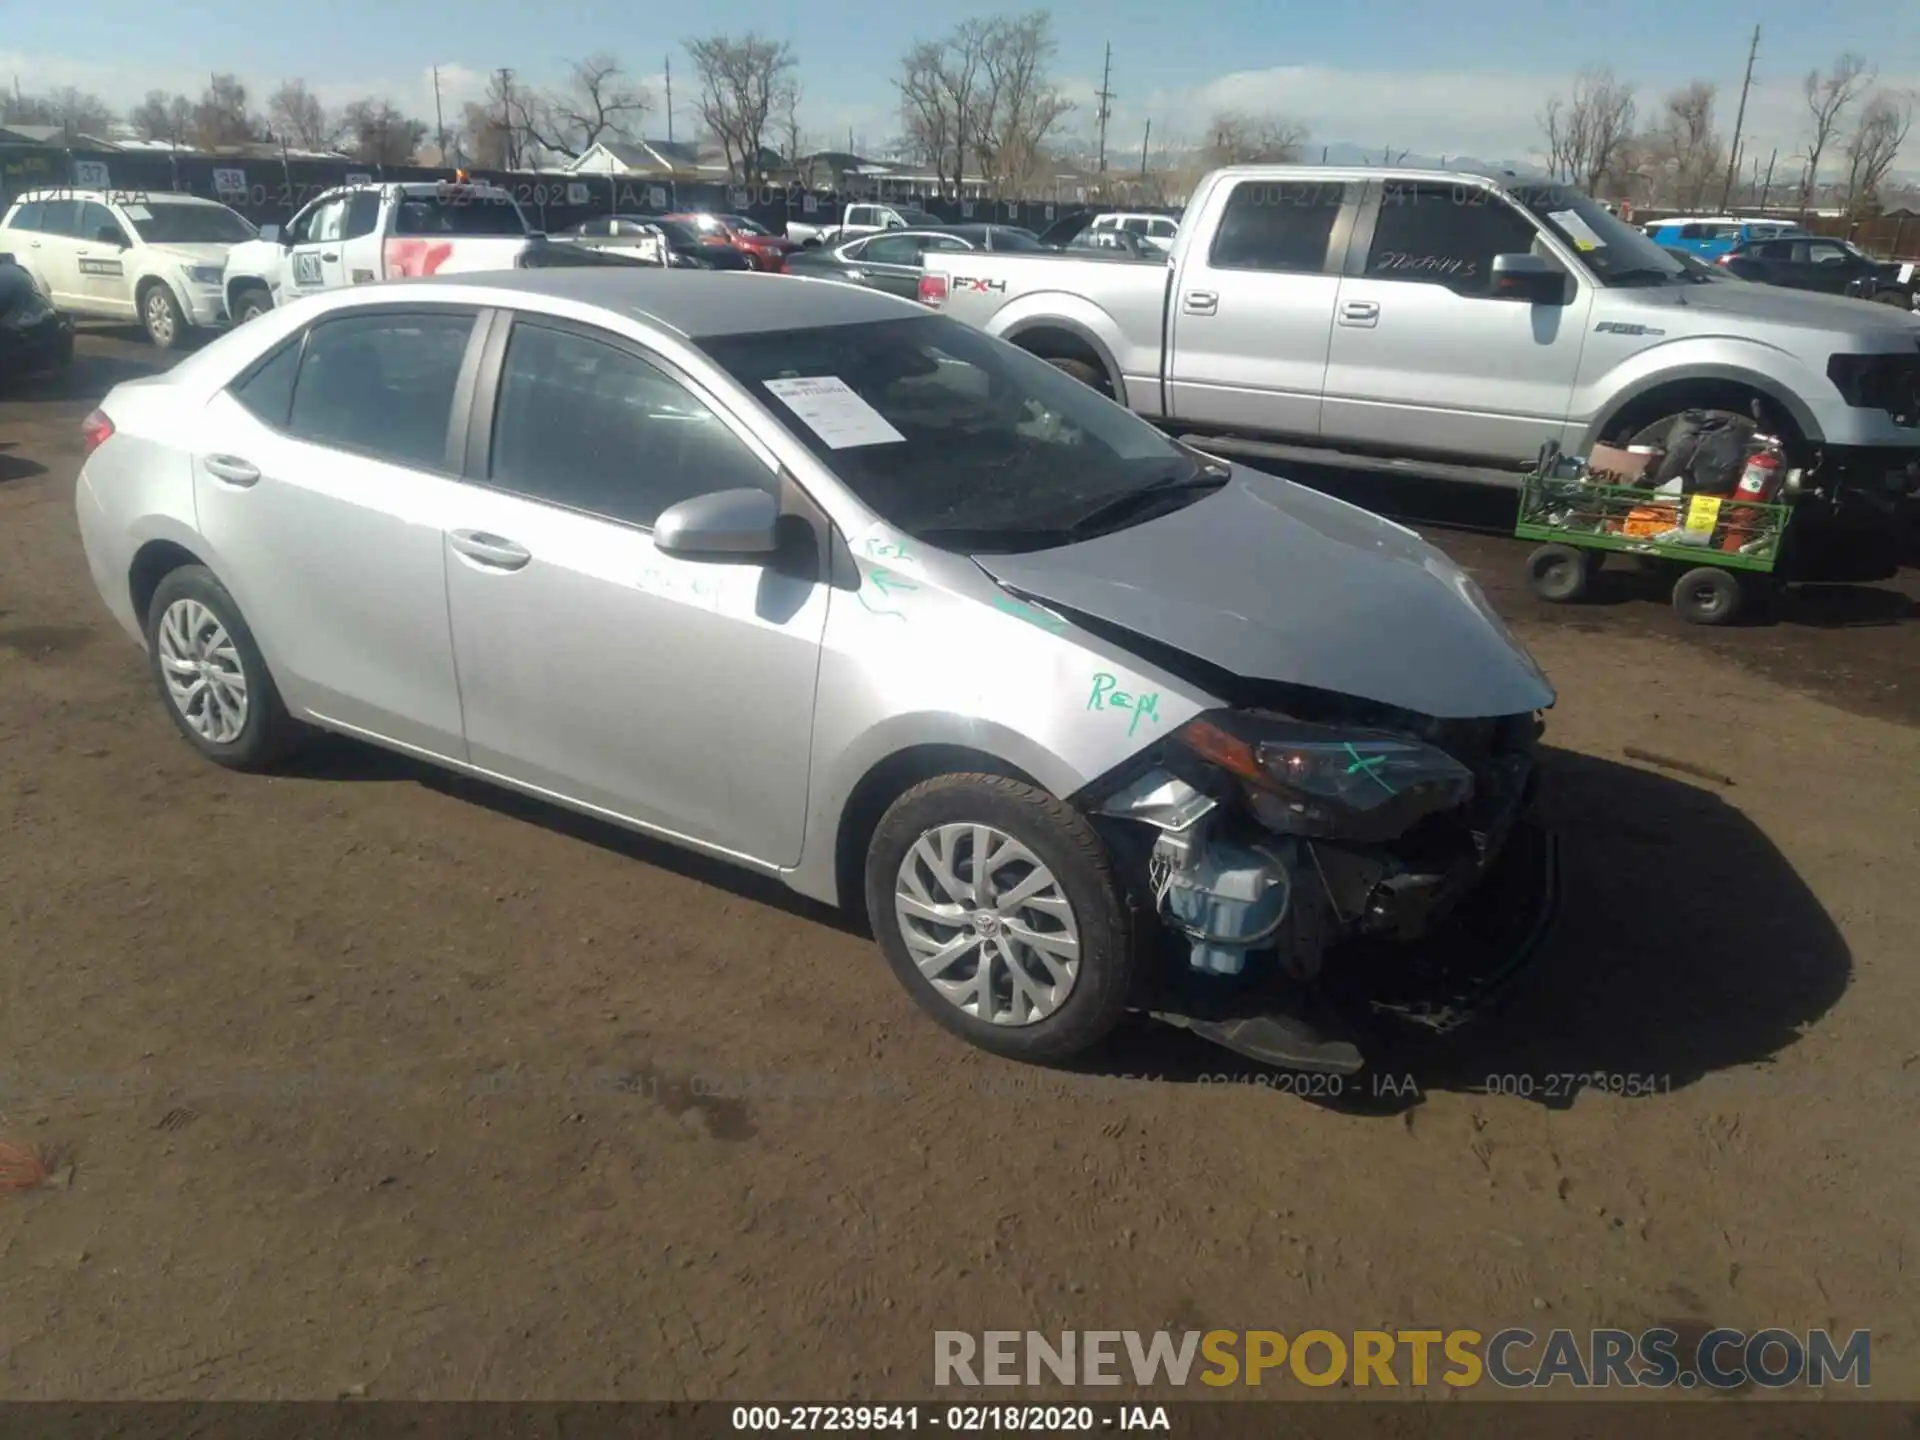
[1089, 375]
[1894, 297]
[1561, 573]
[1706, 596]
[160, 313]
[251, 303]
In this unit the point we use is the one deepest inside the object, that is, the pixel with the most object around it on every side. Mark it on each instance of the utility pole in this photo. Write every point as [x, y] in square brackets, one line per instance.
[1143, 148]
[1105, 95]
[669, 99]
[1766, 186]
[1740, 119]
[439, 120]
[512, 155]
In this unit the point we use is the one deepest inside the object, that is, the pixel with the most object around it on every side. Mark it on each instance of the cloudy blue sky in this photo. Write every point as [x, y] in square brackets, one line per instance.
[1468, 77]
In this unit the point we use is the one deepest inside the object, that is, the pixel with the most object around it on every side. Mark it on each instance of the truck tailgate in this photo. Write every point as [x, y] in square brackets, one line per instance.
[441, 255]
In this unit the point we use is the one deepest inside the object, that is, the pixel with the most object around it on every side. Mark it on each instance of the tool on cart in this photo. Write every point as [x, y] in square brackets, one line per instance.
[1716, 485]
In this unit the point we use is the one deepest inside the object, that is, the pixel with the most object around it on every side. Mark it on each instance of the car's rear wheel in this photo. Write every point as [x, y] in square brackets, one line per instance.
[211, 675]
[1898, 298]
[997, 907]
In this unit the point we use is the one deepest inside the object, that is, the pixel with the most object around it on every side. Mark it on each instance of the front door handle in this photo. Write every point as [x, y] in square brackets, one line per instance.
[232, 469]
[331, 255]
[1359, 312]
[490, 550]
[1201, 302]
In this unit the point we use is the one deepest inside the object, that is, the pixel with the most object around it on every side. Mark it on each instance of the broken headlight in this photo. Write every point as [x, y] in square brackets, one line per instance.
[1328, 782]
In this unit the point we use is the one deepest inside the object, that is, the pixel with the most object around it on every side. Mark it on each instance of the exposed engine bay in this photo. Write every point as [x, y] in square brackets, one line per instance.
[1265, 843]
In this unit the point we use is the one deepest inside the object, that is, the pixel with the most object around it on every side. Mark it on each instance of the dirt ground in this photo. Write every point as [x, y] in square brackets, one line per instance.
[371, 1081]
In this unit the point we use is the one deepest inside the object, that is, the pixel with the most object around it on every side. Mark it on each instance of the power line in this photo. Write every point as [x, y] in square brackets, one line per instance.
[1105, 96]
[1739, 121]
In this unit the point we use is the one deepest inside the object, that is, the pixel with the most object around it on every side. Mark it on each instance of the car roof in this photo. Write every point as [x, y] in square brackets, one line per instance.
[697, 304]
[117, 197]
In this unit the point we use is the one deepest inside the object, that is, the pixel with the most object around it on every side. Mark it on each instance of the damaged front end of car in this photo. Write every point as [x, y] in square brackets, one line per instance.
[1324, 870]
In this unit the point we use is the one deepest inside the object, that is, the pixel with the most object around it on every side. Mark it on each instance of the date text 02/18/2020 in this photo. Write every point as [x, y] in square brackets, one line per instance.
[955, 1419]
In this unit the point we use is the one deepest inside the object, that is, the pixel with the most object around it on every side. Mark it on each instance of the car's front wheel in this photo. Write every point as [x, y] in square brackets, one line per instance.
[997, 907]
[160, 313]
[210, 673]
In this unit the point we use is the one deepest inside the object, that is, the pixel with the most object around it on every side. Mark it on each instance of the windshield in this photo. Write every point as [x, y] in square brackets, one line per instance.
[676, 233]
[1004, 239]
[1614, 250]
[917, 218]
[951, 436]
[176, 224]
[746, 226]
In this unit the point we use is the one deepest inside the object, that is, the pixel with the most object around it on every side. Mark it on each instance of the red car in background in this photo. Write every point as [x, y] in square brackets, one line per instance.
[764, 249]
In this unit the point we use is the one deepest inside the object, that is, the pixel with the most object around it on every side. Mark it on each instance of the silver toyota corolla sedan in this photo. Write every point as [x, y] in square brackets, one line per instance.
[806, 577]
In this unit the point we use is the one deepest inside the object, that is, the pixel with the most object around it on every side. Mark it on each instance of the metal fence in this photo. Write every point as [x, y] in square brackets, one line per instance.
[269, 192]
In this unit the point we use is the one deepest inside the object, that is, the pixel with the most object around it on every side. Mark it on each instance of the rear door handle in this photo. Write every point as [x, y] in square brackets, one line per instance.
[490, 550]
[232, 469]
[1359, 312]
[331, 255]
[1201, 302]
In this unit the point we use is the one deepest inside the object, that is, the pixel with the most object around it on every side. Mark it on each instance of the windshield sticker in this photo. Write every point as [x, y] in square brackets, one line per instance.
[1576, 229]
[834, 412]
[136, 212]
[1107, 695]
[1906, 272]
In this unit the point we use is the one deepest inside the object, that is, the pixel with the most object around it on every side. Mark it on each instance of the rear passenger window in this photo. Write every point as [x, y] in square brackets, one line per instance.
[591, 427]
[382, 384]
[1283, 226]
[25, 217]
[363, 215]
[268, 390]
[1445, 235]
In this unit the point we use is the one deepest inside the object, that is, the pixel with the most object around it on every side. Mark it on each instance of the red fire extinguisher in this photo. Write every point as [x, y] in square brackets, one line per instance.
[1759, 483]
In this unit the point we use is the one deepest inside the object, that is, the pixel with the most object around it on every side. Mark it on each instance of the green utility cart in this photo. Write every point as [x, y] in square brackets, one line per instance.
[1721, 553]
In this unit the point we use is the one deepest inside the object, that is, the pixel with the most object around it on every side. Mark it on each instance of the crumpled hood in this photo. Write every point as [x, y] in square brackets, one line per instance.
[1272, 581]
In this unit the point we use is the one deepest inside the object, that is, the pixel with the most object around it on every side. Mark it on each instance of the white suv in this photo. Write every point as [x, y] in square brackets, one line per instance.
[1156, 230]
[127, 255]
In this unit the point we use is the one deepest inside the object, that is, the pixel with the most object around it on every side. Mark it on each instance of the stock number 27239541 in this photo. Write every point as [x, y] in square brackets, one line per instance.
[844, 1418]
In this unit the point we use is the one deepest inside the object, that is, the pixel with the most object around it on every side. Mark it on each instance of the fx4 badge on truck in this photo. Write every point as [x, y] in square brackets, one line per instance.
[967, 282]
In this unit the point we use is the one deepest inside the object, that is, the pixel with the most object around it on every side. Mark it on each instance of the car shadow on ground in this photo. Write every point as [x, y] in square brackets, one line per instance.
[334, 758]
[1685, 944]
[17, 467]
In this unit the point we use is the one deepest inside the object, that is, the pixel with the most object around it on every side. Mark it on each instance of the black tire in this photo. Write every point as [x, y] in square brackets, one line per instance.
[1894, 297]
[1656, 433]
[1561, 574]
[1109, 956]
[1707, 596]
[268, 733]
[161, 317]
[1087, 374]
[251, 303]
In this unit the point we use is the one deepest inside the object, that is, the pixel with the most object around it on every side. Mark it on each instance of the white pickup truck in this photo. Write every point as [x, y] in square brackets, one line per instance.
[1439, 316]
[863, 220]
[358, 234]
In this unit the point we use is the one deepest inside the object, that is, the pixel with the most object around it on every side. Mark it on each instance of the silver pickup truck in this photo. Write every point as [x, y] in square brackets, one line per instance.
[1440, 316]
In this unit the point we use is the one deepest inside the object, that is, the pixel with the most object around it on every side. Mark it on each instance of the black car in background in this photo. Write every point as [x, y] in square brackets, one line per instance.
[34, 338]
[892, 260]
[684, 248]
[1817, 262]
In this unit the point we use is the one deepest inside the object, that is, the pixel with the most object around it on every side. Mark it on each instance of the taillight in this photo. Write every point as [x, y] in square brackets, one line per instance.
[95, 431]
[933, 290]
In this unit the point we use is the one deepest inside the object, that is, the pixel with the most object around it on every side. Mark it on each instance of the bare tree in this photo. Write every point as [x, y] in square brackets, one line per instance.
[792, 138]
[222, 116]
[598, 102]
[163, 117]
[1588, 134]
[1021, 106]
[744, 83]
[1875, 144]
[78, 112]
[380, 133]
[299, 118]
[1829, 97]
[942, 85]
[486, 139]
[1683, 154]
[1235, 137]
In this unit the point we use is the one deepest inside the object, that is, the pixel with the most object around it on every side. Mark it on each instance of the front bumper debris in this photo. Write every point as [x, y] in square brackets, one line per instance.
[1376, 993]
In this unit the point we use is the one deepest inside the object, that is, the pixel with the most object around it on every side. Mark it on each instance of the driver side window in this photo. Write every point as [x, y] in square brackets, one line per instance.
[329, 221]
[95, 218]
[300, 229]
[1444, 235]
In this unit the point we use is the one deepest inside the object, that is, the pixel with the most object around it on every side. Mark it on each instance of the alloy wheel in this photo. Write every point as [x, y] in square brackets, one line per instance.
[205, 679]
[160, 317]
[988, 924]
